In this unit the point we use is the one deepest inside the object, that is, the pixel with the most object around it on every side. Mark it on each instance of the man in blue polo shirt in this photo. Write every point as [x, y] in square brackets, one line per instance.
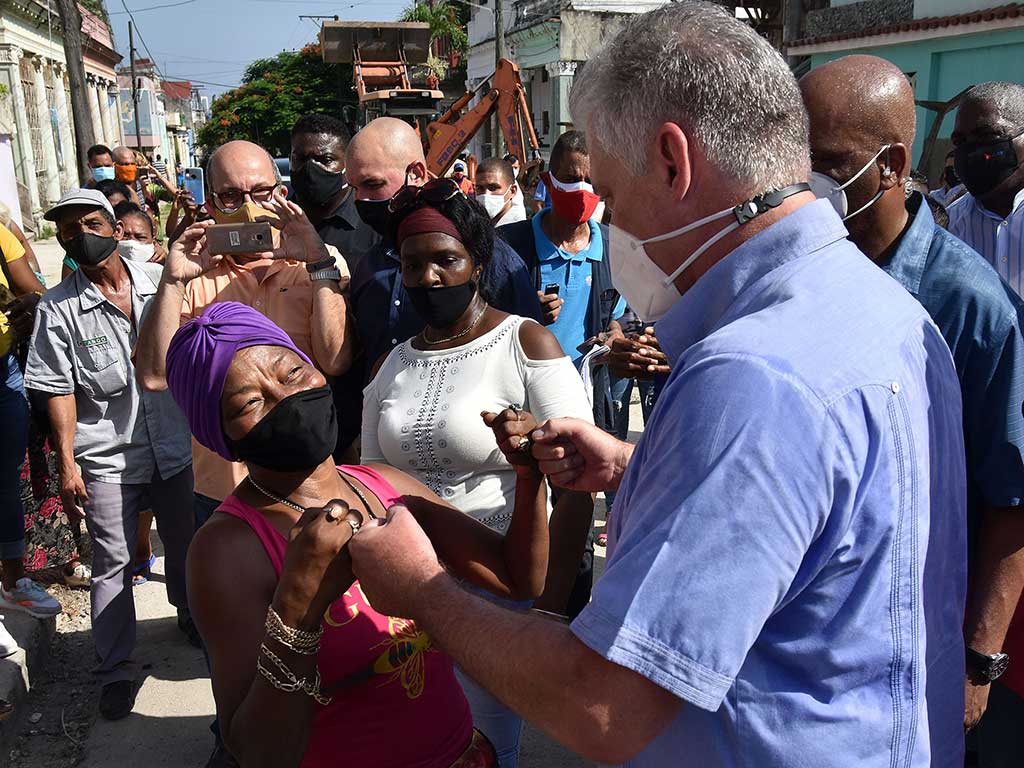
[566, 251]
[857, 105]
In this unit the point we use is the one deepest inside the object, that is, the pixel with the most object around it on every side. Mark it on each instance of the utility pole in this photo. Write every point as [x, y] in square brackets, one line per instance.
[71, 20]
[135, 86]
[499, 54]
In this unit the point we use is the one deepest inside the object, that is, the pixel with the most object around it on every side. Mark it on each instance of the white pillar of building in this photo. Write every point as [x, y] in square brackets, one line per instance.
[561, 74]
[50, 185]
[69, 169]
[109, 135]
[94, 107]
[118, 124]
[11, 54]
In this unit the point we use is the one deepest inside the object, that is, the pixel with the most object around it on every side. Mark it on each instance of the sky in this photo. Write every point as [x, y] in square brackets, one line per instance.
[210, 42]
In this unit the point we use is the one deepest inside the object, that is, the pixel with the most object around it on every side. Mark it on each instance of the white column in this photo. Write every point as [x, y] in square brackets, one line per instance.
[50, 186]
[94, 107]
[561, 74]
[118, 124]
[68, 171]
[109, 135]
[11, 54]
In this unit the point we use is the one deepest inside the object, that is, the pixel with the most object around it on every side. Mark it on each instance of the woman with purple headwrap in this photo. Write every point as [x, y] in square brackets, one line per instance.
[305, 672]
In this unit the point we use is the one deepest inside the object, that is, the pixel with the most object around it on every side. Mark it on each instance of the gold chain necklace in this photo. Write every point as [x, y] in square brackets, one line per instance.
[472, 325]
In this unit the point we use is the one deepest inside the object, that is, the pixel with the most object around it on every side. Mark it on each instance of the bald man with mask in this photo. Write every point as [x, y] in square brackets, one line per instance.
[381, 158]
[862, 121]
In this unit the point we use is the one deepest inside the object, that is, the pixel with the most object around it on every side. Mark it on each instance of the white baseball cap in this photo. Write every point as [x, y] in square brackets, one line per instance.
[90, 197]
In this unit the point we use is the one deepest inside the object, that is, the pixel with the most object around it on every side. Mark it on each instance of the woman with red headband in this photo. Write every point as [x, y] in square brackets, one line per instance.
[421, 412]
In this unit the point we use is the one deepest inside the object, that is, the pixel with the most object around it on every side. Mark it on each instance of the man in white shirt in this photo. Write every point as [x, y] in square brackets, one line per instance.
[988, 153]
[498, 192]
[951, 189]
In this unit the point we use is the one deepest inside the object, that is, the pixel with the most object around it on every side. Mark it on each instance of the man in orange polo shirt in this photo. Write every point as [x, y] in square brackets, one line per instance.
[300, 286]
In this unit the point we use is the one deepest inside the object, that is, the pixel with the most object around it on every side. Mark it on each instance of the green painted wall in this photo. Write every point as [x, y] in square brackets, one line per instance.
[945, 66]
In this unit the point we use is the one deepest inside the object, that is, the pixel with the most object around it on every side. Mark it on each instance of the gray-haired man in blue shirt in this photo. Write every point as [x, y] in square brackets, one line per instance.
[857, 105]
[786, 572]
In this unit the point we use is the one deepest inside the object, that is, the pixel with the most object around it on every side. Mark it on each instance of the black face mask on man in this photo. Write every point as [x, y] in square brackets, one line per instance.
[441, 307]
[298, 433]
[375, 213]
[315, 185]
[983, 166]
[88, 249]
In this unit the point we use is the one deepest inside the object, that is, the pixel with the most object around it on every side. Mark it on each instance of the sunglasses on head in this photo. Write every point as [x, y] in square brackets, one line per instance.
[432, 193]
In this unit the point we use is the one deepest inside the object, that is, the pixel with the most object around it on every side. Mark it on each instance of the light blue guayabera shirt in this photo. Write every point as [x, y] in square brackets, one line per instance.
[787, 554]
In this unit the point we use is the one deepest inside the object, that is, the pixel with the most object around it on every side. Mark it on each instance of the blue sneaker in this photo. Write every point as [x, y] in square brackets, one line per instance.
[29, 597]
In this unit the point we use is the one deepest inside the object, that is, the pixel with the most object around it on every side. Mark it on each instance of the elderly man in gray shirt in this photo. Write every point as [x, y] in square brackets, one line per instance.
[121, 450]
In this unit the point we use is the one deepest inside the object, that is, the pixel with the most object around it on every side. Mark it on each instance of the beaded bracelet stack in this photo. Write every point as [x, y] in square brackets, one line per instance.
[300, 641]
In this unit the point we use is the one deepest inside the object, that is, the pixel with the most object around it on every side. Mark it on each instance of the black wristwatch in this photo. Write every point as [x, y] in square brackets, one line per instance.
[316, 266]
[988, 667]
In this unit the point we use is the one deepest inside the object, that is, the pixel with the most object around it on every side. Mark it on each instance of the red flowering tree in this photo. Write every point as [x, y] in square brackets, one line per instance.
[274, 94]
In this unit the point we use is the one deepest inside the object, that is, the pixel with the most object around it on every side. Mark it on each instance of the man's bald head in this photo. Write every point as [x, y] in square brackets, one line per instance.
[241, 165]
[861, 111]
[381, 156]
[866, 94]
[123, 156]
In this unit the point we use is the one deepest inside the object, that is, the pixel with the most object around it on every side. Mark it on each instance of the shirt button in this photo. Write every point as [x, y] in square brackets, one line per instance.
[895, 387]
[398, 303]
[394, 341]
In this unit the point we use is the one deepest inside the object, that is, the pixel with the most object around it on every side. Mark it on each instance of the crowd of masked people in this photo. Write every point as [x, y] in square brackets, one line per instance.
[372, 448]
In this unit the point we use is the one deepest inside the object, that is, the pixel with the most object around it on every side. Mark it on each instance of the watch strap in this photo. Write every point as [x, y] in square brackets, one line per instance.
[990, 667]
[331, 273]
[317, 266]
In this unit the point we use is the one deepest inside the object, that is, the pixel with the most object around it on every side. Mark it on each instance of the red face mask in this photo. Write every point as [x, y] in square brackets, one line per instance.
[574, 203]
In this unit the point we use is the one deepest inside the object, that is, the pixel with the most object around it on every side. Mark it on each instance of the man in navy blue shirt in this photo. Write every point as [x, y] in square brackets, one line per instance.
[382, 157]
[858, 105]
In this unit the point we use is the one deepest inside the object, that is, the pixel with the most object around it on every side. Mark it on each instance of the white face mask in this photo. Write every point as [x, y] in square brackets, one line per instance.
[648, 291]
[492, 203]
[826, 188]
[133, 250]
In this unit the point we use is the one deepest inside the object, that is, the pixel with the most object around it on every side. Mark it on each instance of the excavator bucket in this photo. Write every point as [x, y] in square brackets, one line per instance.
[375, 41]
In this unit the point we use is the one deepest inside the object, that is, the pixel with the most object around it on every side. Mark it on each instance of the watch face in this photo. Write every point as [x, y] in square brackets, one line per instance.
[998, 665]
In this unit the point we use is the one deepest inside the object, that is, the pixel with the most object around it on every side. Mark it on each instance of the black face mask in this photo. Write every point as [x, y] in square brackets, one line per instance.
[949, 174]
[298, 433]
[315, 185]
[984, 166]
[375, 213]
[89, 249]
[440, 307]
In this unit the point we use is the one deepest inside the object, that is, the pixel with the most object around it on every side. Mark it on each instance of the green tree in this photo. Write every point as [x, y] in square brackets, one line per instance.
[447, 22]
[274, 94]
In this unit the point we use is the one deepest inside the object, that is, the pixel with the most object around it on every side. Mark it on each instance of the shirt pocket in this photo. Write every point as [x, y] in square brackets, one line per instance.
[102, 372]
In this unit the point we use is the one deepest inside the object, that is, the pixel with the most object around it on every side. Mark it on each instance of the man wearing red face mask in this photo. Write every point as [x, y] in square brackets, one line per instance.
[563, 247]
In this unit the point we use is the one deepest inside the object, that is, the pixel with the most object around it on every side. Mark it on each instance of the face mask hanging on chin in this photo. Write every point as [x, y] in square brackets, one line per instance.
[646, 288]
[826, 188]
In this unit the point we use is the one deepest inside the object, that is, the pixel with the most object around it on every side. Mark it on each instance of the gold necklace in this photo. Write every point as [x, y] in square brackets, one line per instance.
[472, 325]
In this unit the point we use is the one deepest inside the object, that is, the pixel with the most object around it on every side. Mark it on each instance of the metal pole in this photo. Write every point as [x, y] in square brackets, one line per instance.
[71, 20]
[135, 86]
[499, 54]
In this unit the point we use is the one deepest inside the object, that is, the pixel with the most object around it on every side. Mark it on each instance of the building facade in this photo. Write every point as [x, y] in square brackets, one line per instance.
[549, 40]
[38, 160]
[153, 138]
[943, 46]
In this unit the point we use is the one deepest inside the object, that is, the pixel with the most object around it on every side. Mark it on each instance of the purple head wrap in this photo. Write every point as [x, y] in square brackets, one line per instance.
[198, 361]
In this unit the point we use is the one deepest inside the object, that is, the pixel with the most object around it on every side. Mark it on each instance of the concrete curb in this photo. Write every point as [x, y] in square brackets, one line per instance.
[18, 672]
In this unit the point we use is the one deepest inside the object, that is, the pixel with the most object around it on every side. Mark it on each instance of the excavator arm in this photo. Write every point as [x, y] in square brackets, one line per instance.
[450, 133]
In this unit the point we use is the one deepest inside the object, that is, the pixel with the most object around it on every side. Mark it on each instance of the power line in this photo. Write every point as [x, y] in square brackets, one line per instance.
[150, 8]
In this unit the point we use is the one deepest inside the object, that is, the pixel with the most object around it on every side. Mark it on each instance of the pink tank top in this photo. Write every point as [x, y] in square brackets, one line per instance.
[396, 702]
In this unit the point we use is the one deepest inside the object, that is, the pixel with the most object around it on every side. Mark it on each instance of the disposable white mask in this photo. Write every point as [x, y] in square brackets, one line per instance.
[826, 188]
[133, 250]
[648, 291]
[492, 203]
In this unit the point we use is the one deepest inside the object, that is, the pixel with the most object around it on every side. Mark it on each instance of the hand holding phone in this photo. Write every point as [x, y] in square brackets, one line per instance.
[195, 185]
[550, 303]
